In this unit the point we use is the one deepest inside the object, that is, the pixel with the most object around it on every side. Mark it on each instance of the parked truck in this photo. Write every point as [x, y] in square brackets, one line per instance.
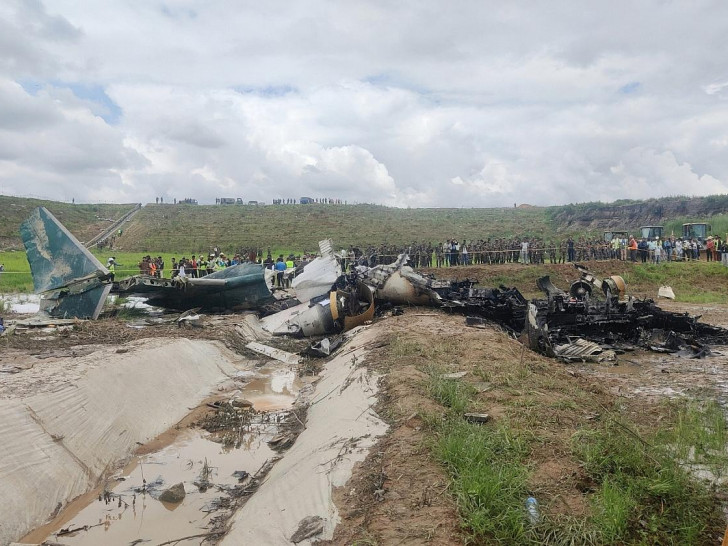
[651, 232]
[696, 231]
[609, 235]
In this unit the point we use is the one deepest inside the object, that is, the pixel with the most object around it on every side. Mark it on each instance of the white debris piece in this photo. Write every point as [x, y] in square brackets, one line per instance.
[272, 352]
[666, 292]
[319, 275]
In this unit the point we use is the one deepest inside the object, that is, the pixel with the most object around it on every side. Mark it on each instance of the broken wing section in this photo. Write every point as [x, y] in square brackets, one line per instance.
[318, 276]
[70, 278]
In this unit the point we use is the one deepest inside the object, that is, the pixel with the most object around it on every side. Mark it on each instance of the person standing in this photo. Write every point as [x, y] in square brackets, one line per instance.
[570, 250]
[280, 268]
[524, 252]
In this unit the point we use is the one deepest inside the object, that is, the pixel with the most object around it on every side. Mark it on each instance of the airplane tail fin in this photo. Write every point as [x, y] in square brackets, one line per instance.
[71, 279]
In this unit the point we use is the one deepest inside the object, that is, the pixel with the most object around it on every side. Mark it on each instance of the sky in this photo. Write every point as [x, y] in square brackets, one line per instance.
[414, 103]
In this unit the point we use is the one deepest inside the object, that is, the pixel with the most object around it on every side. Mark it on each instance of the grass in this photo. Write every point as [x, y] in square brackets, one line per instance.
[169, 227]
[489, 476]
[642, 492]
[302, 226]
[698, 435]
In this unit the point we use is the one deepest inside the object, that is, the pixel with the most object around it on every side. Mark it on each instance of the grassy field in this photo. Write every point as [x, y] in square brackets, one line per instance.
[84, 221]
[195, 228]
[302, 226]
[607, 479]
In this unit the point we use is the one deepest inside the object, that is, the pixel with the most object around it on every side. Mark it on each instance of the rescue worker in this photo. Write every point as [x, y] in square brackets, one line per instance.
[111, 266]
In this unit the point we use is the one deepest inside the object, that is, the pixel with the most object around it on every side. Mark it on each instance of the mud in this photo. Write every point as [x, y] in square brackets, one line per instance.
[650, 376]
[215, 468]
[131, 510]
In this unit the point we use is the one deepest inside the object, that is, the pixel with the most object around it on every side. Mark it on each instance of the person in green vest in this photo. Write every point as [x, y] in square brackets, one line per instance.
[290, 267]
[111, 266]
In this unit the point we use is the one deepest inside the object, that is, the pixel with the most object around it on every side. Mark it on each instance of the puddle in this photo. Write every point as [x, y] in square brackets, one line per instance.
[20, 303]
[654, 375]
[272, 388]
[129, 514]
[29, 304]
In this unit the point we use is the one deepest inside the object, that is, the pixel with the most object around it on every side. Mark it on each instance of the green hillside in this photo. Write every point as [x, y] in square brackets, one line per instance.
[84, 221]
[194, 228]
[189, 227]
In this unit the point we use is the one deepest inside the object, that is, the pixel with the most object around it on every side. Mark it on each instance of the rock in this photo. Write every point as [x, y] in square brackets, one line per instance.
[174, 494]
[242, 403]
[307, 528]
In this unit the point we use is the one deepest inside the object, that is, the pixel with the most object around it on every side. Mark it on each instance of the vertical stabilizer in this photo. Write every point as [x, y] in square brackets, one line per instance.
[70, 278]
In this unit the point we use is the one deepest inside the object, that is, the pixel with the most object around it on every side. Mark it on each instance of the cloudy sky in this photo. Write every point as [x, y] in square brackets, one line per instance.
[411, 103]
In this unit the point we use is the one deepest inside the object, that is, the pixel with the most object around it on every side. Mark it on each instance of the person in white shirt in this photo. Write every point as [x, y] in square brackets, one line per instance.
[524, 252]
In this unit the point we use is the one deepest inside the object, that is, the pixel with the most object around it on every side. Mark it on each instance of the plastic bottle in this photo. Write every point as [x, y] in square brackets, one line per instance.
[532, 510]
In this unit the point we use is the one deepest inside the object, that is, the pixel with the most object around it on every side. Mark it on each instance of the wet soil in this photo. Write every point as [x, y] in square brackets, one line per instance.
[399, 494]
[219, 452]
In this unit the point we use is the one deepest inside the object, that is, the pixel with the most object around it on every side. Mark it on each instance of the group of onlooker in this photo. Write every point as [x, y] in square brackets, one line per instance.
[675, 249]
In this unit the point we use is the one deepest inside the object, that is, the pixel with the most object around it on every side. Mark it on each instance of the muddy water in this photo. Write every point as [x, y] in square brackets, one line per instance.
[132, 512]
[21, 303]
[654, 376]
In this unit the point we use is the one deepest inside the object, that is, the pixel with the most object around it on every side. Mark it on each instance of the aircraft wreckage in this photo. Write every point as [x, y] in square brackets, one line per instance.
[593, 320]
[74, 284]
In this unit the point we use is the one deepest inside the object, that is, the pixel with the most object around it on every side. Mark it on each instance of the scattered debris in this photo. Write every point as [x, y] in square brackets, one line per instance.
[615, 323]
[455, 375]
[325, 347]
[318, 276]
[237, 287]
[581, 350]
[349, 304]
[241, 475]
[282, 441]
[477, 417]
[73, 283]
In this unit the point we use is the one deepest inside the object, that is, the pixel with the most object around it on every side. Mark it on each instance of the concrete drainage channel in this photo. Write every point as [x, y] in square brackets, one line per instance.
[256, 474]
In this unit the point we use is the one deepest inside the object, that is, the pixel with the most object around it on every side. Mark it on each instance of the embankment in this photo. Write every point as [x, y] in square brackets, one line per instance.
[66, 423]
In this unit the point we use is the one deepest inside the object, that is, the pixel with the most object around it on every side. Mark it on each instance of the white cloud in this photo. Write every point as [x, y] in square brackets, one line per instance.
[407, 104]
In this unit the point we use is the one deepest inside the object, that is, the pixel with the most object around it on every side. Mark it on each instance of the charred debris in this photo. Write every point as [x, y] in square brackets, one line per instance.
[594, 320]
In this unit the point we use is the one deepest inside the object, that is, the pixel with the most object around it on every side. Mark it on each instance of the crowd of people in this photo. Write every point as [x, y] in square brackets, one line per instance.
[310, 200]
[452, 253]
